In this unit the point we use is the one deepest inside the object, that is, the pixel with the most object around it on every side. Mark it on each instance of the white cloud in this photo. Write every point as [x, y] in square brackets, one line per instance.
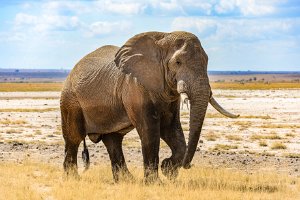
[65, 7]
[247, 7]
[120, 7]
[181, 7]
[101, 28]
[236, 29]
[44, 23]
[166, 5]
[225, 6]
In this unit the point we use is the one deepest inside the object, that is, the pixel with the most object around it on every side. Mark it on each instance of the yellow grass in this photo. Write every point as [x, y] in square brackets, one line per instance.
[41, 181]
[278, 145]
[218, 115]
[255, 86]
[221, 147]
[268, 137]
[292, 155]
[12, 130]
[211, 136]
[27, 87]
[263, 143]
[280, 125]
[234, 137]
[28, 109]
[13, 122]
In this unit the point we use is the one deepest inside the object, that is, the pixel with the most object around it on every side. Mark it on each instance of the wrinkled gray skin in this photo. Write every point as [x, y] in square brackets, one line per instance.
[113, 90]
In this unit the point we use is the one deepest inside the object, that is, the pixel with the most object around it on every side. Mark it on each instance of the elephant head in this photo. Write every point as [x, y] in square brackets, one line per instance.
[169, 64]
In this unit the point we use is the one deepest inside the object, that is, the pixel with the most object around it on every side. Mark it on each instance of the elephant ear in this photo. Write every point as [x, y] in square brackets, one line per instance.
[140, 56]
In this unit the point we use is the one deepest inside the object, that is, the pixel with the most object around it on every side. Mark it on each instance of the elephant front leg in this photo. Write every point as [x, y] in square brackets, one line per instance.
[113, 144]
[145, 118]
[149, 132]
[175, 140]
[150, 149]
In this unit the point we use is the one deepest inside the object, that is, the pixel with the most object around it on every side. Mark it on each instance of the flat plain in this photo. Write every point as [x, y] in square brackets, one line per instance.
[256, 156]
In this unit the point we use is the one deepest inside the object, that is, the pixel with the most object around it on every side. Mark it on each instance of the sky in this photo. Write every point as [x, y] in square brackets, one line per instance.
[257, 35]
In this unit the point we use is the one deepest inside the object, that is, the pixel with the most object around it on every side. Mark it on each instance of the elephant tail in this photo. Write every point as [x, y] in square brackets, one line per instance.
[85, 156]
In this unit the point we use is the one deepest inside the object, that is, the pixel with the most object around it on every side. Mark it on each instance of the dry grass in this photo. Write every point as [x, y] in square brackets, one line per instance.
[278, 145]
[267, 137]
[28, 109]
[218, 115]
[256, 117]
[12, 130]
[265, 153]
[263, 143]
[211, 136]
[57, 133]
[185, 128]
[136, 143]
[13, 122]
[234, 137]
[242, 123]
[292, 155]
[184, 114]
[28, 87]
[255, 86]
[221, 147]
[290, 126]
[214, 115]
[131, 142]
[40, 181]
[290, 135]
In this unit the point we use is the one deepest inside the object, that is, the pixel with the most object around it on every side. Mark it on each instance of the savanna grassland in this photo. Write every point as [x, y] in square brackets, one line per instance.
[256, 156]
[31, 87]
[31, 180]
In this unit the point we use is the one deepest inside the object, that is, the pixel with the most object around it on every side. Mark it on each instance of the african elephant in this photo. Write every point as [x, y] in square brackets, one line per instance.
[113, 90]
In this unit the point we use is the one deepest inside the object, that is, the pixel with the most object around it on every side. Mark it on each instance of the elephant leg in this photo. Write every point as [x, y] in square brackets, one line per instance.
[149, 132]
[150, 150]
[70, 162]
[73, 133]
[113, 144]
[145, 118]
[175, 140]
[148, 128]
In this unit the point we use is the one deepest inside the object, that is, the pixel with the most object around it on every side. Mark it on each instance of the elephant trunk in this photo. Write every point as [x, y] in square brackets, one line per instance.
[199, 98]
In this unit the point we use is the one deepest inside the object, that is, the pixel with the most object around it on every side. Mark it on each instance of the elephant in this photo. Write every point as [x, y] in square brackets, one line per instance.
[113, 90]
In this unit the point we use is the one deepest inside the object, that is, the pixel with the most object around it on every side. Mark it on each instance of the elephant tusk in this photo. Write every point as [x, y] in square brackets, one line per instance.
[215, 104]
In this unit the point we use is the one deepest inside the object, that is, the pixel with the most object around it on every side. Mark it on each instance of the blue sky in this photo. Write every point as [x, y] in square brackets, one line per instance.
[236, 34]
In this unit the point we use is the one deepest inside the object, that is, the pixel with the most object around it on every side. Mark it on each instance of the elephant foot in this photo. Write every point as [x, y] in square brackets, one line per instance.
[124, 176]
[151, 177]
[169, 169]
[153, 181]
[71, 175]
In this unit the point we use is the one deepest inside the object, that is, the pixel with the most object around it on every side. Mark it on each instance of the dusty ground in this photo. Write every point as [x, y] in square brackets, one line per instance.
[265, 137]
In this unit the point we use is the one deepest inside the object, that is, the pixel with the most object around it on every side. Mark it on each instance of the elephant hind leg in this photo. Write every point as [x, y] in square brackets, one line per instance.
[73, 133]
[113, 144]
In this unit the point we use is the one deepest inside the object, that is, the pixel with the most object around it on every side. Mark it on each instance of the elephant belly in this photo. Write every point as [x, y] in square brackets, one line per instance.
[103, 121]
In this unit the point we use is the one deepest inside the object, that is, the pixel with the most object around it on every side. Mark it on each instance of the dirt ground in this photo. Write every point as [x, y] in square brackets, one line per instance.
[265, 137]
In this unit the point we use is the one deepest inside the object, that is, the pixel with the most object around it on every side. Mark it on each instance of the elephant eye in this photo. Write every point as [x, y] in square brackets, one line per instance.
[178, 62]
